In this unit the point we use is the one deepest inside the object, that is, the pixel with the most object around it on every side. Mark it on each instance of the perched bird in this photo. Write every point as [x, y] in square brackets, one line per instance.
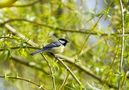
[54, 47]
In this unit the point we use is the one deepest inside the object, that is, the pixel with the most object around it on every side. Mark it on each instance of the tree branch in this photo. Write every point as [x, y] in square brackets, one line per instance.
[11, 29]
[70, 71]
[25, 62]
[122, 44]
[2, 49]
[81, 31]
[23, 79]
[53, 78]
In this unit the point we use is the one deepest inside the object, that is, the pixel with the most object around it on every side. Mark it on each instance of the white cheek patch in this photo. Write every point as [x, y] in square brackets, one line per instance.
[62, 42]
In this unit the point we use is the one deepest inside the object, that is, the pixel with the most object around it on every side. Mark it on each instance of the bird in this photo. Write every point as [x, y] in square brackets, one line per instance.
[53, 48]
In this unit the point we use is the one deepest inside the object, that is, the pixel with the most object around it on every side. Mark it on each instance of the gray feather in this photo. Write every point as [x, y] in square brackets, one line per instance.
[47, 47]
[36, 52]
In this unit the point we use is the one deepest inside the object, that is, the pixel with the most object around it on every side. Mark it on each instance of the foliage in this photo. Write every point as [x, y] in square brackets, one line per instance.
[96, 56]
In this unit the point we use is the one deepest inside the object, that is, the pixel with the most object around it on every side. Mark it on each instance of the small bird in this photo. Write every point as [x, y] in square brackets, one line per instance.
[54, 47]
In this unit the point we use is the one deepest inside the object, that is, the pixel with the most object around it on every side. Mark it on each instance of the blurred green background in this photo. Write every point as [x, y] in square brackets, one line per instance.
[93, 29]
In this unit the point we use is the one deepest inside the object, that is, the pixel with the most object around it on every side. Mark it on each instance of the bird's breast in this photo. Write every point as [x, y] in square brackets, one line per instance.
[57, 50]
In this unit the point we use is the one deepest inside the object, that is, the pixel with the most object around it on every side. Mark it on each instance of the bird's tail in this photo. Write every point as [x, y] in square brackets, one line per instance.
[36, 52]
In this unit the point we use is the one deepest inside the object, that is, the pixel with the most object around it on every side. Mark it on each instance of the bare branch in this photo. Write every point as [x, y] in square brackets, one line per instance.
[23, 79]
[122, 44]
[2, 49]
[25, 62]
[70, 71]
[53, 78]
[11, 29]
[81, 31]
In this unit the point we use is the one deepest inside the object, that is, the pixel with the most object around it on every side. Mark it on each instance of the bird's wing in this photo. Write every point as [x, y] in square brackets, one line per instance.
[47, 47]
[51, 45]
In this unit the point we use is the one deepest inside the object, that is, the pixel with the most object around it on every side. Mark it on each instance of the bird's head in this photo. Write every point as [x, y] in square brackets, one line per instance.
[63, 41]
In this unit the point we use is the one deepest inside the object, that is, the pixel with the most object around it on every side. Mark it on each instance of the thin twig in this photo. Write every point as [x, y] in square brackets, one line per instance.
[90, 47]
[23, 79]
[51, 71]
[7, 37]
[17, 47]
[110, 69]
[122, 44]
[70, 71]
[87, 37]
[63, 84]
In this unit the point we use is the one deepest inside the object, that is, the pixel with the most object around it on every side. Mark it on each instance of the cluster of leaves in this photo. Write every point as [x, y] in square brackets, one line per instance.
[91, 59]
